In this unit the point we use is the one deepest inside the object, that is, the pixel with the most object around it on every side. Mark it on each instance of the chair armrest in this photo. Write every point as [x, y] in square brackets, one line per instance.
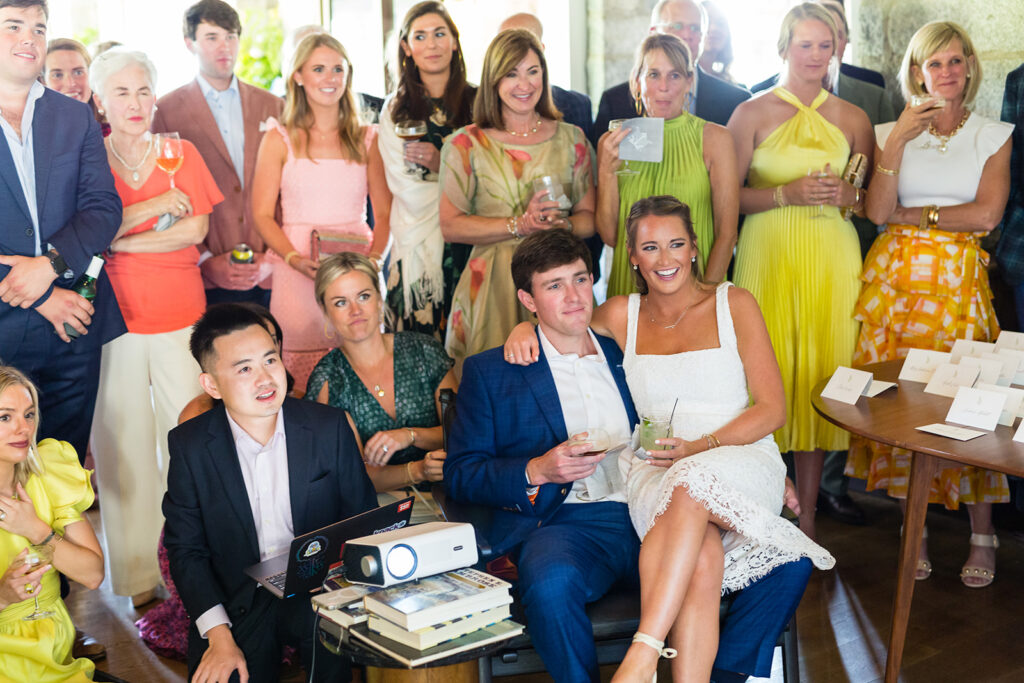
[457, 511]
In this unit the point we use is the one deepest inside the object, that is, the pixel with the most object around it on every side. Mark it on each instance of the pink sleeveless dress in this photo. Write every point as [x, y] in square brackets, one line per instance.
[316, 194]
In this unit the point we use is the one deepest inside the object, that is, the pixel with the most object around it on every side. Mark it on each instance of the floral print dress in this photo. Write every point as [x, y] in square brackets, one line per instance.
[484, 177]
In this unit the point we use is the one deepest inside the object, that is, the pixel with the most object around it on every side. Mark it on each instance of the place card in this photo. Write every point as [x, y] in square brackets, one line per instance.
[645, 140]
[967, 347]
[1009, 370]
[988, 370]
[920, 364]
[1019, 434]
[847, 385]
[1014, 402]
[949, 431]
[876, 387]
[1019, 355]
[948, 378]
[976, 408]
[1010, 340]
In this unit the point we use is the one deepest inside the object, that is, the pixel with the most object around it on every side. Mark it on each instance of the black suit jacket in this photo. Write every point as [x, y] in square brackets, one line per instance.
[716, 100]
[209, 532]
[576, 109]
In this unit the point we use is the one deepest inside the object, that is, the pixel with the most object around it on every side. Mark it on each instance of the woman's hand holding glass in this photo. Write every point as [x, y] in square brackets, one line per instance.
[423, 154]
[21, 581]
[813, 189]
[673, 449]
[541, 214]
[608, 161]
[914, 120]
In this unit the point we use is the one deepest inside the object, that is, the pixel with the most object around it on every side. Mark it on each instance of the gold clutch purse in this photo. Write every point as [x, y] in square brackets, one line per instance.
[324, 243]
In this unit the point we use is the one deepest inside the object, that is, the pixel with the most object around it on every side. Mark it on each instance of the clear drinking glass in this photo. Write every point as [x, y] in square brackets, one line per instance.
[598, 438]
[38, 555]
[554, 192]
[615, 124]
[818, 173]
[169, 154]
[655, 426]
[410, 131]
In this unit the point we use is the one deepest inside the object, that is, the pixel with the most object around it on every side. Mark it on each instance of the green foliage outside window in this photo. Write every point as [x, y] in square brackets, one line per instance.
[259, 54]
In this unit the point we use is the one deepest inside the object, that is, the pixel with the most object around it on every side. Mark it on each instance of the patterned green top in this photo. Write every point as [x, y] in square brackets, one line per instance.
[420, 364]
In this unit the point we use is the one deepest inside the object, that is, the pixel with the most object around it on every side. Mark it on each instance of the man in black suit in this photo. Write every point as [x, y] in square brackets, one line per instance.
[244, 479]
[713, 99]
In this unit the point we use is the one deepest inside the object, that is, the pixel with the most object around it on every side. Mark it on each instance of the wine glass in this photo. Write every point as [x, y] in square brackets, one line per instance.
[818, 173]
[615, 124]
[169, 154]
[37, 555]
[411, 131]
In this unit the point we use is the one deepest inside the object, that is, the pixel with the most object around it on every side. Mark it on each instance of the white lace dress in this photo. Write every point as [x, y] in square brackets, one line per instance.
[742, 485]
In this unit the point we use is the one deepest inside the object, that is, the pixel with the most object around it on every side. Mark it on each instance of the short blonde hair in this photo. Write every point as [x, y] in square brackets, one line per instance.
[503, 54]
[803, 12]
[336, 265]
[677, 52]
[12, 377]
[928, 40]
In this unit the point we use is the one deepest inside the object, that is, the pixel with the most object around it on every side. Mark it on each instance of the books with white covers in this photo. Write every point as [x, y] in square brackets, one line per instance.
[344, 603]
[418, 604]
[438, 633]
[411, 657]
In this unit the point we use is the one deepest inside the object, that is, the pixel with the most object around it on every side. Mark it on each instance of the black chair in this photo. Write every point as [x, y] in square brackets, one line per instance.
[614, 618]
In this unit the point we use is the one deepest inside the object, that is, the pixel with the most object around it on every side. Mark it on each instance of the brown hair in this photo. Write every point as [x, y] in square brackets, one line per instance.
[214, 12]
[411, 98]
[660, 205]
[25, 4]
[297, 116]
[544, 250]
[676, 50]
[503, 54]
[69, 45]
[12, 377]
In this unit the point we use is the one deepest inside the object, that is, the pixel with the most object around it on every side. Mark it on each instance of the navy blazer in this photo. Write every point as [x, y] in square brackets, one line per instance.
[79, 214]
[716, 101]
[576, 109]
[506, 415]
[1010, 250]
[210, 534]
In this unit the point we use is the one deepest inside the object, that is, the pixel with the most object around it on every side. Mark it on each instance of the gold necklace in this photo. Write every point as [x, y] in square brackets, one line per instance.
[668, 327]
[944, 139]
[536, 127]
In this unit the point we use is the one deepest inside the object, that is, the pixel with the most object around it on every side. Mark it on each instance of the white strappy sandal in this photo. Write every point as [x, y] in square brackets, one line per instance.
[658, 645]
[987, 576]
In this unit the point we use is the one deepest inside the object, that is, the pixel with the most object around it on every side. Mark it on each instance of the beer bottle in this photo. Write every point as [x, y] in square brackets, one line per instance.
[86, 287]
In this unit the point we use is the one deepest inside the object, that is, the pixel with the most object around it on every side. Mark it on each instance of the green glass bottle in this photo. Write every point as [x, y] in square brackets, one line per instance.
[86, 287]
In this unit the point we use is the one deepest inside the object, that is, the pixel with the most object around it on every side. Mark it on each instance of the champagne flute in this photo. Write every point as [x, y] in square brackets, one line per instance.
[615, 124]
[818, 173]
[410, 131]
[38, 555]
[169, 154]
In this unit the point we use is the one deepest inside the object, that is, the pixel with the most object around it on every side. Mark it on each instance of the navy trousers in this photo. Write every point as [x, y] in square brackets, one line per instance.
[570, 561]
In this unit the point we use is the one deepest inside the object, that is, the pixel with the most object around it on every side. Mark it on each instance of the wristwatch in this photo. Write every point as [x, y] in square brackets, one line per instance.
[56, 262]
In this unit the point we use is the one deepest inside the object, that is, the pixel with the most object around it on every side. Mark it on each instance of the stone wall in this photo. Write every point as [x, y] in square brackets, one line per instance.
[615, 28]
[881, 29]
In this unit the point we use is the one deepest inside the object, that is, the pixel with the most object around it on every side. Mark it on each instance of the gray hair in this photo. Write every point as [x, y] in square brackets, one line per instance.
[114, 61]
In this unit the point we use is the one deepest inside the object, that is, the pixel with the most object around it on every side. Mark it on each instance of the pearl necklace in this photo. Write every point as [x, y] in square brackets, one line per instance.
[944, 139]
[536, 127]
[134, 169]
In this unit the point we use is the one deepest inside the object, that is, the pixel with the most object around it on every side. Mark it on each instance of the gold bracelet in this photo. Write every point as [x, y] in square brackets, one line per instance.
[408, 474]
[712, 441]
[886, 171]
[512, 225]
[923, 222]
[933, 217]
[412, 435]
[780, 200]
[288, 257]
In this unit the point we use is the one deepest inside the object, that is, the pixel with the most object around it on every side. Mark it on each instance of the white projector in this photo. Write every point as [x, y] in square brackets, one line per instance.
[409, 553]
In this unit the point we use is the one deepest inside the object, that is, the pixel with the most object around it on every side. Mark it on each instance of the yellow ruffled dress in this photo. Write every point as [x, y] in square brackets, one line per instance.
[40, 651]
[803, 270]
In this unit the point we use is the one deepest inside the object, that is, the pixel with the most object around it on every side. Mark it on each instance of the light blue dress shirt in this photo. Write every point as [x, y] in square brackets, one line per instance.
[23, 154]
[226, 107]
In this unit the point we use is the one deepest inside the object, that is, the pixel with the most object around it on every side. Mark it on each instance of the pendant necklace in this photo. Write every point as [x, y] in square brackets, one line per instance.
[944, 139]
[667, 327]
[536, 127]
[134, 169]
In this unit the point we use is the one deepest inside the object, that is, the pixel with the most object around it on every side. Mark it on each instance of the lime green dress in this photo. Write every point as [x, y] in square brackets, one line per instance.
[40, 651]
[682, 174]
[803, 270]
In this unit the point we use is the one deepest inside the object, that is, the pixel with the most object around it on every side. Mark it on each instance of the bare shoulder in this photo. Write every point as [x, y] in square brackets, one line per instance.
[610, 317]
[718, 138]
[743, 305]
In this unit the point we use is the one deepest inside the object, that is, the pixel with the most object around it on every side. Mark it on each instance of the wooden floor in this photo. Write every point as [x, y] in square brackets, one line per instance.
[955, 634]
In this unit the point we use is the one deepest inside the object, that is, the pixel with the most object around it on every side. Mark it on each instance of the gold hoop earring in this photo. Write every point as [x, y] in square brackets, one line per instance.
[328, 330]
[639, 106]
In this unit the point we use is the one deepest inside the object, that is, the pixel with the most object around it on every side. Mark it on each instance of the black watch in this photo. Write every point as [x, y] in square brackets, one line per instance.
[56, 262]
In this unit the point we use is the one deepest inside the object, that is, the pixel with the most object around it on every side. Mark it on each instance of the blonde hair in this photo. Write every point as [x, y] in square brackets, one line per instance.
[928, 40]
[336, 265]
[809, 11]
[503, 55]
[297, 116]
[12, 377]
[677, 52]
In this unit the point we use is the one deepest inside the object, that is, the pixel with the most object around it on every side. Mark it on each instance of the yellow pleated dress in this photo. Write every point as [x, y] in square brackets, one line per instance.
[40, 651]
[803, 270]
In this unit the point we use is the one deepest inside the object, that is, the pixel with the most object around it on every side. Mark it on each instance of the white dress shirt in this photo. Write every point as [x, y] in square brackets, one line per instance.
[590, 399]
[23, 154]
[226, 107]
[265, 473]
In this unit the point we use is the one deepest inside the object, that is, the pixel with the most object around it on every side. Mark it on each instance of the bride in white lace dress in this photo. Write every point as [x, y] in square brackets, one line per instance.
[708, 511]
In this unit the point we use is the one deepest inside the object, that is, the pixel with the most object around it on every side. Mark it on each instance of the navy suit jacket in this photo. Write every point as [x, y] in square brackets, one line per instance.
[576, 109]
[210, 534]
[716, 100]
[1010, 251]
[79, 214]
[506, 415]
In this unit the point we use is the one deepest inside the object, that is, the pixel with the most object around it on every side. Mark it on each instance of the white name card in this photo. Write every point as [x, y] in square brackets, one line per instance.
[920, 364]
[1014, 401]
[976, 408]
[947, 379]
[951, 432]
[1010, 340]
[1009, 367]
[1018, 378]
[877, 386]
[966, 347]
[847, 385]
[988, 370]
[1019, 434]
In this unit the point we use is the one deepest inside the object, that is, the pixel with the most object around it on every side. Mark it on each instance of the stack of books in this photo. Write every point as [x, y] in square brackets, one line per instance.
[432, 618]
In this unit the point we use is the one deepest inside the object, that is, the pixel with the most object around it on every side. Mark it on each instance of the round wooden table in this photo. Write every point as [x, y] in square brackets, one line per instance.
[892, 418]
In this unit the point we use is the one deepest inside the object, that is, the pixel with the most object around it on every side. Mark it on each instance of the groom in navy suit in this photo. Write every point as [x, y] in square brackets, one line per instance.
[59, 207]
